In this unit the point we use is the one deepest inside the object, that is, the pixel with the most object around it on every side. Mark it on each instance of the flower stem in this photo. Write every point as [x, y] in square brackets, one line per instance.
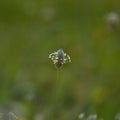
[56, 96]
[57, 84]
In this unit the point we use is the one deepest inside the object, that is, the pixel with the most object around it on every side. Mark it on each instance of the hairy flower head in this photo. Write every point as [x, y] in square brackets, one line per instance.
[59, 58]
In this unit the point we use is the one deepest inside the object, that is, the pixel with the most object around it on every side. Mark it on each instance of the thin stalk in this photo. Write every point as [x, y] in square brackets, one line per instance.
[56, 99]
[57, 84]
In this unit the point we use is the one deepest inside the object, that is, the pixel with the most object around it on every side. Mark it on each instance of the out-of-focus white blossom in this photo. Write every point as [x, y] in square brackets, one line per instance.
[112, 21]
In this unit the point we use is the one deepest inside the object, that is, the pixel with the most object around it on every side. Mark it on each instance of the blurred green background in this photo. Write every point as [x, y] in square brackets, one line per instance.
[32, 29]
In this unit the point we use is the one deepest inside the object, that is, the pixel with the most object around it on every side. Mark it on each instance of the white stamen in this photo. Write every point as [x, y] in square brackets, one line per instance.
[56, 58]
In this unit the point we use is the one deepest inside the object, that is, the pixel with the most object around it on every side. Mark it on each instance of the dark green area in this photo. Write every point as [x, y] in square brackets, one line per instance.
[32, 29]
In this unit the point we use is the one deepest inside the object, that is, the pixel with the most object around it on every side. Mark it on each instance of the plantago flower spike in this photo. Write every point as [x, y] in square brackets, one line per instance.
[59, 58]
[112, 21]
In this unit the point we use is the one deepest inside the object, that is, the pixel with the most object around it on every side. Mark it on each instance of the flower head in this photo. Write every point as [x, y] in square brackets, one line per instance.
[59, 58]
[112, 21]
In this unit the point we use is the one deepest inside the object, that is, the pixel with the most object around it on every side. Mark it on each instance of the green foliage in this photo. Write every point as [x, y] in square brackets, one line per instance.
[31, 30]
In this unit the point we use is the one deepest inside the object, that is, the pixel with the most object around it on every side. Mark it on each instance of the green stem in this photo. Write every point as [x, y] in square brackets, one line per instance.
[57, 84]
[56, 97]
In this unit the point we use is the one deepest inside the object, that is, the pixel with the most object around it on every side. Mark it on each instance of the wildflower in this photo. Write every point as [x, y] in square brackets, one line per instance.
[92, 117]
[112, 21]
[59, 58]
[81, 115]
[12, 116]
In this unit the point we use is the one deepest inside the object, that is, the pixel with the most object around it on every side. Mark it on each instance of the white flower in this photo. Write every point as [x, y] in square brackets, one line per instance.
[59, 58]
